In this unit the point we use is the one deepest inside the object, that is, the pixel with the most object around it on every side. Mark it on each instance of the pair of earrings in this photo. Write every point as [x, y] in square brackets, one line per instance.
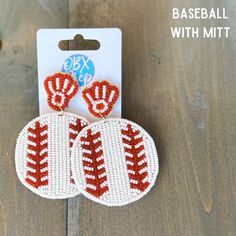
[59, 155]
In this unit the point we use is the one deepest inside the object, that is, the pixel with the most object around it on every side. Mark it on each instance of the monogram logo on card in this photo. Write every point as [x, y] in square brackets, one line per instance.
[80, 67]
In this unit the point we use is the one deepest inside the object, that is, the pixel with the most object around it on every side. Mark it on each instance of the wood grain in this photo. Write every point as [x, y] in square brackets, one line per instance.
[23, 213]
[183, 92]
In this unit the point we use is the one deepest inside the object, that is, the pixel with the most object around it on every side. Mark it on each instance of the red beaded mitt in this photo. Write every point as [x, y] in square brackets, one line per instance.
[101, 98]
[114, 161]
[44, 145]
[60, 88]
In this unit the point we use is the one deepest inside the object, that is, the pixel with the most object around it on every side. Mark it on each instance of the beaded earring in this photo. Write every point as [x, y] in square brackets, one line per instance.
[114, 161]
[44, 145]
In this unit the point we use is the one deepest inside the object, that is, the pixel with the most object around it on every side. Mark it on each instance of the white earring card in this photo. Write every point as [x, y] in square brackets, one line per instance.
[96, 55]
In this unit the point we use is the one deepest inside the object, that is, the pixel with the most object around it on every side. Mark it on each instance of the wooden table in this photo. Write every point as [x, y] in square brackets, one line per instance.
[183, 91]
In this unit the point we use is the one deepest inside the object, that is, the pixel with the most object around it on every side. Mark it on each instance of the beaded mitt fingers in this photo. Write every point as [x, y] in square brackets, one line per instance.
[101, 98]
[43, 147]
[114, 161]
[60, 88]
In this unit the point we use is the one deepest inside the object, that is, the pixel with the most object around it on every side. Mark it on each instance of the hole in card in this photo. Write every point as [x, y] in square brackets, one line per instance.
[79, 43]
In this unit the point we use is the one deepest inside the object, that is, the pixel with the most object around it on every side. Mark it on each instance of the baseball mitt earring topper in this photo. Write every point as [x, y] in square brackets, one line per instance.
[60, 89]
[101, 98]
[43, 147]
[114, 161]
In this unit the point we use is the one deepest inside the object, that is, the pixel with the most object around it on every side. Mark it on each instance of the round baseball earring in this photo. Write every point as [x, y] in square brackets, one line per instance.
[114, 161]
[43, 147]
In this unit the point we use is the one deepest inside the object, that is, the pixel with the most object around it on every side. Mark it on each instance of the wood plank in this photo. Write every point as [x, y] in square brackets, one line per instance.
[183, 93]
[21, 211]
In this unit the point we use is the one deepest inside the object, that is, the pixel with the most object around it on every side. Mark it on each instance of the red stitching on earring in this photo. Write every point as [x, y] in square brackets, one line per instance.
[37, 172]
[93, 164]
[74, 128]
[135, 158]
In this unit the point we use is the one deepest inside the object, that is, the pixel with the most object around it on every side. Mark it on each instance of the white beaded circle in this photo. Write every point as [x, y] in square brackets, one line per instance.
[114, 162]
[42, 154]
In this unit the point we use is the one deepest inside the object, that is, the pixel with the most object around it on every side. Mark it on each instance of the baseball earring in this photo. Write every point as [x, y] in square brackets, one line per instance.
[43, 147]
[114, 161]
